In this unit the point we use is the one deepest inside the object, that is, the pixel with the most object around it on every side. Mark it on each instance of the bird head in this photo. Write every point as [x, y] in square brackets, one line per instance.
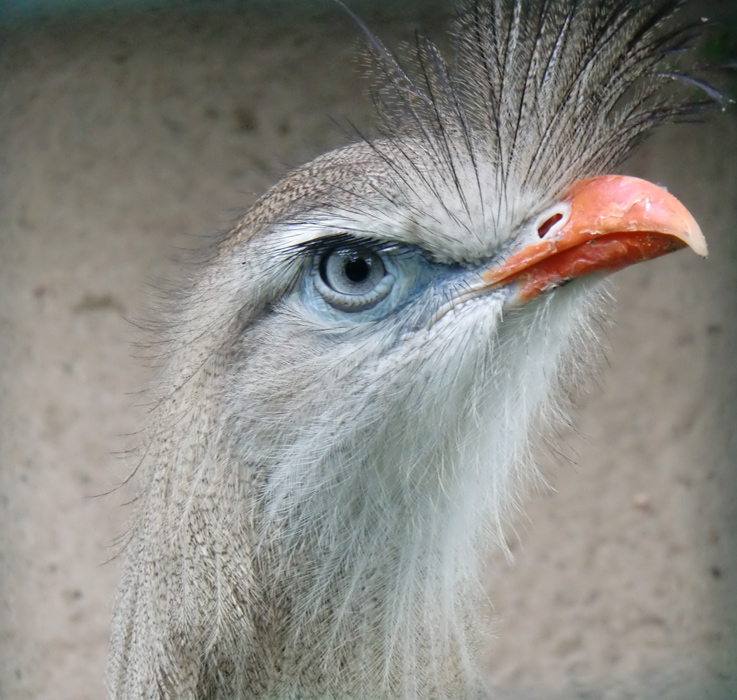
[358, 370]
[393, 317]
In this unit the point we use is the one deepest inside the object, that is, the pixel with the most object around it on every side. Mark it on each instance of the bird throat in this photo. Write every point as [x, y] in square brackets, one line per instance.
[388, 610]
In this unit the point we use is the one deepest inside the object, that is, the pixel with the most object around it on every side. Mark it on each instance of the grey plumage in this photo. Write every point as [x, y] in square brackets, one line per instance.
[314, 486]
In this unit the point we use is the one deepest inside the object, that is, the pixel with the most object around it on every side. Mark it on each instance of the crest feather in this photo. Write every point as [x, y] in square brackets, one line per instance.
[546, 91]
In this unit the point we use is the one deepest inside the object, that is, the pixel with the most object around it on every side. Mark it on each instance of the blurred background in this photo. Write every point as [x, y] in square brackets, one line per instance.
[129, 132]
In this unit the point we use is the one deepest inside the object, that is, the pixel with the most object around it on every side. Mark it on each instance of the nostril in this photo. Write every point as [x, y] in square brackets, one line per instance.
[546, 225]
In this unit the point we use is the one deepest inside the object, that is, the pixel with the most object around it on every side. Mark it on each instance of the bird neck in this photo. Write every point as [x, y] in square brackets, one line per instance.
[374, 587]
[368, 548]
[326, 547]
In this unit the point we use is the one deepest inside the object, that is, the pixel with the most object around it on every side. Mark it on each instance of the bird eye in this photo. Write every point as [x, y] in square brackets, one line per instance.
[352, 279]
[353, 272]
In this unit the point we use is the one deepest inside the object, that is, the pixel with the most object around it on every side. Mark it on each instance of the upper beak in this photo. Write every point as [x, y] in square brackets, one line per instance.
[613, 221]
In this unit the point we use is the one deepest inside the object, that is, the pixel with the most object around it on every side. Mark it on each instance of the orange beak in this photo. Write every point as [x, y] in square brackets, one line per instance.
[614, 221]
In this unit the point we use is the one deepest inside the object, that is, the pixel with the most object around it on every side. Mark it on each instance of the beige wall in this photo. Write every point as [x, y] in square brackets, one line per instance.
[121, 135]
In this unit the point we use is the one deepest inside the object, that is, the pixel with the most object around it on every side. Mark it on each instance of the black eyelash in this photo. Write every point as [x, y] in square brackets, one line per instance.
[321, 246]
[341, 240]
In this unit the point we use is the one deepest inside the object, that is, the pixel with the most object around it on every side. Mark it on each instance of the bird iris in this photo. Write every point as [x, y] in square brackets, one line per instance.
[352, 278]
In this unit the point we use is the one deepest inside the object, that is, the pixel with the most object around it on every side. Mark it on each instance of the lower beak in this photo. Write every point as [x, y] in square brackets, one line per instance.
[603, 224]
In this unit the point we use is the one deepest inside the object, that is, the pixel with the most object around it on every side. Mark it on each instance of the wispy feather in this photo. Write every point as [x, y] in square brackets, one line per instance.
[547, 91]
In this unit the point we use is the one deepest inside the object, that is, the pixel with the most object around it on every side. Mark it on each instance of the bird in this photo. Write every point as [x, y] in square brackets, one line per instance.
[353, 377]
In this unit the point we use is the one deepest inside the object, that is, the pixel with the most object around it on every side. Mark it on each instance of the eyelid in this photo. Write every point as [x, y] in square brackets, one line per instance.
[341, 240]
[326, 244]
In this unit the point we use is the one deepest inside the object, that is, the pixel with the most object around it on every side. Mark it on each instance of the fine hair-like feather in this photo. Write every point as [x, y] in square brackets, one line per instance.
[546, 92]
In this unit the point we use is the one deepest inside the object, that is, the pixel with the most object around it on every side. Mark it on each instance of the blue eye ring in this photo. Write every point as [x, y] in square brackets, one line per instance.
[352, 278]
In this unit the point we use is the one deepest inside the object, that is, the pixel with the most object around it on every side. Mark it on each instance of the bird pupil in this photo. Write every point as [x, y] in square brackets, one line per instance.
[357, 269]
